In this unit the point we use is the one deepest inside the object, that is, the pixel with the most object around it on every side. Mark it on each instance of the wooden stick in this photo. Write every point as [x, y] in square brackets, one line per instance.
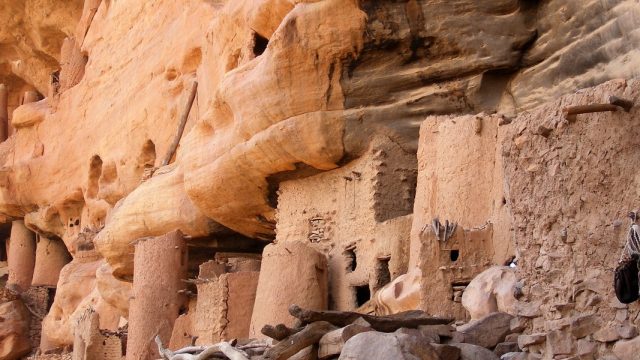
[571, 111]
[308, 336]
[389, 323]
[278, 332]
[183, 123]
[4, 114]
[625, 104]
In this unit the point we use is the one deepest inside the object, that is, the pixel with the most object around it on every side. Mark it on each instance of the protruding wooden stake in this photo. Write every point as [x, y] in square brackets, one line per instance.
[183, 123]
[623, 103]
[615, 103]
[4, 113]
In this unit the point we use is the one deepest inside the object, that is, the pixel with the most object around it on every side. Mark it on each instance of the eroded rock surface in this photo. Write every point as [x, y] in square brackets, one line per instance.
[285, 132]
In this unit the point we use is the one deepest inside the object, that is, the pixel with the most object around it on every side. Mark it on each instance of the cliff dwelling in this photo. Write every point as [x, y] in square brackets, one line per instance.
[326, 179]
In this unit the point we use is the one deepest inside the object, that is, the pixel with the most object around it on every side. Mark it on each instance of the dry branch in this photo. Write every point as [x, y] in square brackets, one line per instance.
[389, 323]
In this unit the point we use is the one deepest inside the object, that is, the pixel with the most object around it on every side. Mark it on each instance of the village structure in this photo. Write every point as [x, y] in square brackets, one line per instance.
[319, 179]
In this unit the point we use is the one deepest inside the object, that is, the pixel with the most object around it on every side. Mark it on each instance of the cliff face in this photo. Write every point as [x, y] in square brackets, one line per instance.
[285, 90]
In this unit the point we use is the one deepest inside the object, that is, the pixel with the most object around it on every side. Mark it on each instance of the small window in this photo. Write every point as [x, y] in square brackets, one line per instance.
[352, 262]
[383, 275]
[363, 294]
[454, 255]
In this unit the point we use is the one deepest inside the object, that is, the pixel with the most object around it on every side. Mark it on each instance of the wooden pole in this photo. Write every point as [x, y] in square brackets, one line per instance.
[4, 112]
[183, 123]
[614, 104]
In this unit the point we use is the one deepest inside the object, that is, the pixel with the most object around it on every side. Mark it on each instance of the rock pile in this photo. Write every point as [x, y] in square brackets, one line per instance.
[353, 336]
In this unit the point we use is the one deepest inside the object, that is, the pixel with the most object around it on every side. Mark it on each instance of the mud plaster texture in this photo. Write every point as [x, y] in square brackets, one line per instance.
[225, 306]
[358, 216]
[155, 302]
[570, 186]
[91, 343]
[298, 274]
[460, 180]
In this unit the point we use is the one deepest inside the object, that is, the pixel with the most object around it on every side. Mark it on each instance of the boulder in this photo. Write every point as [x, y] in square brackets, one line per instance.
[532, 339]
[14, 330]
[559, 343]
[584, 325]
[627, 349]
[491, 291]
[437, 332]
[487, 331]
[506, 347]
[402, 294]
[376, 345]
[447, 352]
[606, 334]
[627, 331]
[474, 352]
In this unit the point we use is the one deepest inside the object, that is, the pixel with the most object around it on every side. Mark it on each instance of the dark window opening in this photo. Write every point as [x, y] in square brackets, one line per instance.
[51, 292]
[511, 262]
[454, 254]
[363, 294]
[352, 262]
[259, 44]
[3, 251]
[383, 275]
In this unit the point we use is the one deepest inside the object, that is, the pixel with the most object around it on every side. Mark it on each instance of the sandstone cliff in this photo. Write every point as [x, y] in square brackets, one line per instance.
[347, 125]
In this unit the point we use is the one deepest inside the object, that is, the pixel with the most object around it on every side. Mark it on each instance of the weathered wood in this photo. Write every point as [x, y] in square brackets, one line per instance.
[4, 112]
[279, 332]
[625, 104]
[181, 125]
[331, 343]
[388, 323]
[231, 352]
[308, 336]
[204, 352]
[571, 111]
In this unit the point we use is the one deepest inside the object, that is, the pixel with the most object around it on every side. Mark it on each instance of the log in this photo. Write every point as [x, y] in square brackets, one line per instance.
[331, 343]
[4, 114]
[308, 336]
[278, 332]
[571, 111]
[388, 323]
[181, 125]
